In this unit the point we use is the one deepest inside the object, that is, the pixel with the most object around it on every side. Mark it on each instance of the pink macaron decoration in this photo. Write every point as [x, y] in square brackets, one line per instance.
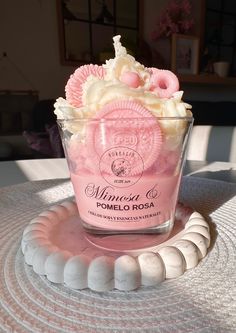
[73, 87]
[163, 82]
[132, 79]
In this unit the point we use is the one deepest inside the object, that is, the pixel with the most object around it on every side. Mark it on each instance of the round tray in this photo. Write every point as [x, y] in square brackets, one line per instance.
[57, 246]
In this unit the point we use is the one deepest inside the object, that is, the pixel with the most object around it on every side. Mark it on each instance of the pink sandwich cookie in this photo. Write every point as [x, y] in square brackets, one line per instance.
[124, 129]
[74, 87]
[135, 138]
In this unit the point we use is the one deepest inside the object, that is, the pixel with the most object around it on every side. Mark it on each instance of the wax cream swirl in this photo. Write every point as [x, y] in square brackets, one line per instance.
[97, 91]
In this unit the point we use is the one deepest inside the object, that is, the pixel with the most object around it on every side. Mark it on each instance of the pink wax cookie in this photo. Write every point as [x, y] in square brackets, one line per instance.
[164, 82]
[132, 130]
[74, 85]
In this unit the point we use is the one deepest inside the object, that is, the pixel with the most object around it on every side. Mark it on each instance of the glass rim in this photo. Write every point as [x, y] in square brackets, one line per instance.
[186, 118]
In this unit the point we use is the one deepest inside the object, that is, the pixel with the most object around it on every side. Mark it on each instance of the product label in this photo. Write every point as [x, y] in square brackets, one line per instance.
[125, 193]
[121, 166]
[145, 204]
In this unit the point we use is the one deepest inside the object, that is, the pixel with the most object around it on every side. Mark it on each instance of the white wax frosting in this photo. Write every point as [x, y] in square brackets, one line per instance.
[97, 92]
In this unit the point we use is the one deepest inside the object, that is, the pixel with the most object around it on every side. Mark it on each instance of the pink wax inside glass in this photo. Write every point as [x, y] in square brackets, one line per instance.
[113, 197]
[145, 206]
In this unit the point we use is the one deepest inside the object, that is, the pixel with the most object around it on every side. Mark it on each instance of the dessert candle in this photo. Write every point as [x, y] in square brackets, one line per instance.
[124, 129]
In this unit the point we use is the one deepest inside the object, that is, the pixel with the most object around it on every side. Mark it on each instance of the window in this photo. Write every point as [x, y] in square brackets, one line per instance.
[220, 34]
[87, 26]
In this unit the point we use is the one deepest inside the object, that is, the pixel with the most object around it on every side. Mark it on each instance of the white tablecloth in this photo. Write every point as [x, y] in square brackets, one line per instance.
[201, 300]
[16, 172]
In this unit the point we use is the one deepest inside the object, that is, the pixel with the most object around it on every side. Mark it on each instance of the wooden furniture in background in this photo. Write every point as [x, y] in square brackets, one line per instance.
[220, 31]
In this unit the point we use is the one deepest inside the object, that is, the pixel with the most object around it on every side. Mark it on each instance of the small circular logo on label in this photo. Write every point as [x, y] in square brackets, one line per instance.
[118, 166]
[121, 167]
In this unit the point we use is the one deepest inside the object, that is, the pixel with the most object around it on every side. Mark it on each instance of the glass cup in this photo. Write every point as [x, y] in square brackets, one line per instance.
[126, 172]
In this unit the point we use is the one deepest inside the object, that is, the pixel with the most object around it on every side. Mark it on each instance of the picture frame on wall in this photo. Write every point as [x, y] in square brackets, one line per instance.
[185, 54]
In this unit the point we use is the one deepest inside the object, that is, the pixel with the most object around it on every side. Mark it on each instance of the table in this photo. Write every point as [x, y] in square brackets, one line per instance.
[202, 300]
[16, 172]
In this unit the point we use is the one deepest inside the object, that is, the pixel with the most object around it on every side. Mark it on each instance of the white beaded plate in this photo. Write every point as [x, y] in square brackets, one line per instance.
[55, 245]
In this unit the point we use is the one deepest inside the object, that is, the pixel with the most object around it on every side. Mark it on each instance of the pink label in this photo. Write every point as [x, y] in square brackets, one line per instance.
[112, 203]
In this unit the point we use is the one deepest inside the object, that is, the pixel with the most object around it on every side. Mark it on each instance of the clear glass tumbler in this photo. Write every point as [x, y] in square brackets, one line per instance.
[126, 172]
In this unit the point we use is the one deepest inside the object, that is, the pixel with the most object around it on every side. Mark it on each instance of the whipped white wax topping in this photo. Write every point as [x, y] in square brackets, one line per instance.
[97, 92]
[123, 62]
